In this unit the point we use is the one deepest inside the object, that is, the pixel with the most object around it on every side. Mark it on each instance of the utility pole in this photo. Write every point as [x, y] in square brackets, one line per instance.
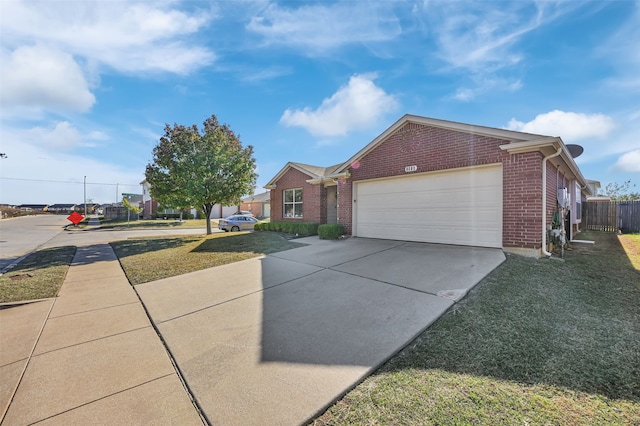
[85, 196]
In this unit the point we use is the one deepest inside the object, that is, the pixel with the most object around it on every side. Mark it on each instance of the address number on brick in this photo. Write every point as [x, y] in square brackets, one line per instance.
[410, 169]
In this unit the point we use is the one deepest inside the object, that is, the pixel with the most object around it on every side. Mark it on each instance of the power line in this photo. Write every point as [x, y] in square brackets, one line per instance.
[66, 181]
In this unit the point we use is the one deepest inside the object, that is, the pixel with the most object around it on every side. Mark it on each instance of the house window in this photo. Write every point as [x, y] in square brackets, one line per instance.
[292, 202]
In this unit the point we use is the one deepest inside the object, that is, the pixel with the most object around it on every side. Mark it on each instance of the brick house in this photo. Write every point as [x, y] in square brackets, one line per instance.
[151, 208]
[258, 204]
[439, 181]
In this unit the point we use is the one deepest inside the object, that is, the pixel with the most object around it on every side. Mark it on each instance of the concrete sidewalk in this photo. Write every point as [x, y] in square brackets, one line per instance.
[89, 356]
[269, 340]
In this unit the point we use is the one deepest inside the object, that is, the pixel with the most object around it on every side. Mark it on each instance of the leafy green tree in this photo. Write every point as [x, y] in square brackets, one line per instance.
[620, 191]
[135, 209]
[201, 168]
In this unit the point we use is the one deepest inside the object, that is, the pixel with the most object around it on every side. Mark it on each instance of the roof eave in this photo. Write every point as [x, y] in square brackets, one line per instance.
[329, 178]
[290, 165]
[451, 125]
[547, 146]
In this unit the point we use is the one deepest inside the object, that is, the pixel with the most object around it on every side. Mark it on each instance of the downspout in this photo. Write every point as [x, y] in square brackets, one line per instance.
[544, 201]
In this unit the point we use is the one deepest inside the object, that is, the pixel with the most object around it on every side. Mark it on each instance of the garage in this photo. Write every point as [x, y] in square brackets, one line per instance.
[458, 206]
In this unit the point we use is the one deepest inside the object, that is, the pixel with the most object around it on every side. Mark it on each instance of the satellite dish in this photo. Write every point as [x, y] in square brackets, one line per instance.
[575, 150]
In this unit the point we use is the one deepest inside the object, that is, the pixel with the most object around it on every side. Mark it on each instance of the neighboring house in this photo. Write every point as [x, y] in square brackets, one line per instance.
[439, 181]
[34, 207]
[151, 206]
[594, 185]
[219, 211]
[91, 208]
[258, 204]
[62, 208]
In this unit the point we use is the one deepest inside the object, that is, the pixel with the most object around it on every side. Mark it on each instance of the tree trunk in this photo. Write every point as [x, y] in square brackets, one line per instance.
[207, 215]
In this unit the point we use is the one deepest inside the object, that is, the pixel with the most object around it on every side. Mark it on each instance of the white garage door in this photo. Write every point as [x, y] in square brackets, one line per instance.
[462, 206]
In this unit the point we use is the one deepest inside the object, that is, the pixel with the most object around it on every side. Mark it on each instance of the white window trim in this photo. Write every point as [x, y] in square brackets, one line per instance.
[292, 203]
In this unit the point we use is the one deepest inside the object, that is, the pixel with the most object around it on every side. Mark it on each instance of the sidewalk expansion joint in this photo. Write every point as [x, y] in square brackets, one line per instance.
[26, 365]
[102, 398]
[262, 290]
[383, 282]
[176, 367]
[92, 340]
[94, 310]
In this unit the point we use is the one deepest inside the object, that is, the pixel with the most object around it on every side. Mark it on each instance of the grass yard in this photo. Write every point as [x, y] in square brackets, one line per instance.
[631, 244]
[39, 276]
[537, 342]
[150, 259]
[159, 224]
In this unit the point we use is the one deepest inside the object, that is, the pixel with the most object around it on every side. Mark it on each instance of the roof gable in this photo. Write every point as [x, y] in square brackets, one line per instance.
[514, 142]
[257, 198]
[507, 135]
[314, 172]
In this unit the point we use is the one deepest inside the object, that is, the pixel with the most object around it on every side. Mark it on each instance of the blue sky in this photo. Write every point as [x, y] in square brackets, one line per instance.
[87, 87]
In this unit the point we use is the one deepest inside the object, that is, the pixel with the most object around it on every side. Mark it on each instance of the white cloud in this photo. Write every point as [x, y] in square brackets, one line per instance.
[129, 37]
[629, 162]
[264, 74]
[570, 126]
[40, 77]
[63, 136]
[53, 51]
[357, 105]
[319, 28]
[484, 85]
[481, 39]
[44, 165]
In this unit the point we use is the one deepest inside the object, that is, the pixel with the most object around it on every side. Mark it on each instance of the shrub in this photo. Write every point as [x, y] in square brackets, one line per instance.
[168, 216]
[187, 216]
[330, 232]
[303, 229]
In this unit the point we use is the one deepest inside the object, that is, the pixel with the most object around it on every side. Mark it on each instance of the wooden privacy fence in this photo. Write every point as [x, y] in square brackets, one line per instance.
[612, 216]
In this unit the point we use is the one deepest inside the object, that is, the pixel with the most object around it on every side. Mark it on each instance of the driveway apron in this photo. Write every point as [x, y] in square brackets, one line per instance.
[277, 339]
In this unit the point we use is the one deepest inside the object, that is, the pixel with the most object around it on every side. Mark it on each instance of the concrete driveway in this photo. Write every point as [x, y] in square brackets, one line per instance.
[276, 339]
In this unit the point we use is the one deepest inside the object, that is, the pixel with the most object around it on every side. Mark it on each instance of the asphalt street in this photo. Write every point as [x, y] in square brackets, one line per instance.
[23, 235]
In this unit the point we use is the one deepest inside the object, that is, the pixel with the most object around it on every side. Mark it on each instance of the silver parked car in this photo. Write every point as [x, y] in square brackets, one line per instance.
[237, 222]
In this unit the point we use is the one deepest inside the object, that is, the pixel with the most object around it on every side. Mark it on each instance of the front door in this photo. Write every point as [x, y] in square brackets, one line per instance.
[332, 204]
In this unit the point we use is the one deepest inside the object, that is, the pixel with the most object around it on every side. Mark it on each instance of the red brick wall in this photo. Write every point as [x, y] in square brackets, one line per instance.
[344, 196]
[254, 207]
[432, 149]
[522, 200]
[312, 208]
[150, 208]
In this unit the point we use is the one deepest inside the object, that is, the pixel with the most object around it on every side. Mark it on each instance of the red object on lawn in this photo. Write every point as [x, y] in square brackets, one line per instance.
[75, 218]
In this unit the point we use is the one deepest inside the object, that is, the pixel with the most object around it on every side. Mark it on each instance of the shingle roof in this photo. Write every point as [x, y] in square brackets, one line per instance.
[257, 198]
[318, 171]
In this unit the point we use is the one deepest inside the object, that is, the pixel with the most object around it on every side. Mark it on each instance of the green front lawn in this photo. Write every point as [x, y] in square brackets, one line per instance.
[631, 245]
[150, 259]
[536, 342]
[158, 224]
[40, 275]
